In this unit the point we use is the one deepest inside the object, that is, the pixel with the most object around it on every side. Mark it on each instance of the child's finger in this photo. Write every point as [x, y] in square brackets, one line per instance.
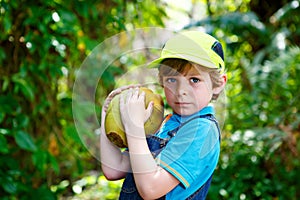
[149, 110]
[135, 93]
[142, 96]
[121, 102]
[129, 95]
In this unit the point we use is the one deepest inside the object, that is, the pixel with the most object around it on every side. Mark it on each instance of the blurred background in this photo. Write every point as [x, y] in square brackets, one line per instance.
[43, 44]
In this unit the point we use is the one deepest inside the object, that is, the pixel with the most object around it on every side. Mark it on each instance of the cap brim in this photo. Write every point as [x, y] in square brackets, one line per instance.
[203, 62]
[155, 63]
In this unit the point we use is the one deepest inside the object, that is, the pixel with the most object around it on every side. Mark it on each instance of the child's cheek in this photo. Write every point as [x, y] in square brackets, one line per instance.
[169, 92]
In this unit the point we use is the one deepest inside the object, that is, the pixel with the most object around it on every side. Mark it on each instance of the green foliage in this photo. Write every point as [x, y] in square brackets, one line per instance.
[42, 45]
[260, 148]
[96, 188]
[255, 165]
[279, 74]
[267, 161]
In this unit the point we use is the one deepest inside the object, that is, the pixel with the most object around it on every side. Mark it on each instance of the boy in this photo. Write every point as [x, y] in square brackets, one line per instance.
[178, 161]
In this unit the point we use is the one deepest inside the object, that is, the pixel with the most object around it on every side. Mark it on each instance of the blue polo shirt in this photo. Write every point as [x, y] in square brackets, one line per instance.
[192, 154]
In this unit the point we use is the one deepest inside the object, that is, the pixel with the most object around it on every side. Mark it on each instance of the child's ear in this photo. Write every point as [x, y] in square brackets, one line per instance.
[218, 90]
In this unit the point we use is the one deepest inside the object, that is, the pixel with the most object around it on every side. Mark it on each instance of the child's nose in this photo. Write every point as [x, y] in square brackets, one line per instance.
[182, 87]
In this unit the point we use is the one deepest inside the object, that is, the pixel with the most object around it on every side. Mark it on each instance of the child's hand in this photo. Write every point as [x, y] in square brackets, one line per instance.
[115, 92]
[133, 111]
[109, 99]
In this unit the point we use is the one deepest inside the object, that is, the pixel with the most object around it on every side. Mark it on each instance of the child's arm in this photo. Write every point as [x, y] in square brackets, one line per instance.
[151, 180]
[114, 163]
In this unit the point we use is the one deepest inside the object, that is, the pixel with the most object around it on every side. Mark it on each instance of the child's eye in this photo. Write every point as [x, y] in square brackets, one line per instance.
[195, 80]
[171, 80]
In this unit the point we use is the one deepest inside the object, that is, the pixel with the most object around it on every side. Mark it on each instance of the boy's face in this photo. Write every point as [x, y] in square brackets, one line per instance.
[189, 92]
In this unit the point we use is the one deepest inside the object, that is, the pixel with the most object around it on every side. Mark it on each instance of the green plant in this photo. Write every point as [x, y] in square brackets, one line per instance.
[42, 45]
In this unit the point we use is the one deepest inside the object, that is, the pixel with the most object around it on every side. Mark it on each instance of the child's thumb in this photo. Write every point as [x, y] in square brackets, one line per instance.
[149, 110]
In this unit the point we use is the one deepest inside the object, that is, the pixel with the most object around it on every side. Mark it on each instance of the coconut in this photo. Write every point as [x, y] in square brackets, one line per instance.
[113, 124]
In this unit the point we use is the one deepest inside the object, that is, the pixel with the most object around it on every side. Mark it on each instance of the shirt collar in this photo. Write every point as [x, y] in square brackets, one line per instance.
[204, 111]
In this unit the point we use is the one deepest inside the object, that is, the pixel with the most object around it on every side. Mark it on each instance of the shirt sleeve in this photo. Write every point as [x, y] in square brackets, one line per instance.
[193, 153]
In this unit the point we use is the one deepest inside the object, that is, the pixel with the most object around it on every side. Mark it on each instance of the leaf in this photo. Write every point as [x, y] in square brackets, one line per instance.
[39, 159]
[8, 103]
[9, 185]
[2, 55]
[43, 192]
[5, 83]
[54, 163]
[3, 144]
[72, 133]
[7, 24]
[2, 116]
[26, 89]
[24, 141]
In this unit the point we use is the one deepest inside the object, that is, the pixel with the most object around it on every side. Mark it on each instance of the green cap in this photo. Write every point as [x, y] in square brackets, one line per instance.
[194, 46]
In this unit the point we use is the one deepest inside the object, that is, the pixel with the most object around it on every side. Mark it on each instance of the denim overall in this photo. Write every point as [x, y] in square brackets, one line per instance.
[129, 190]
